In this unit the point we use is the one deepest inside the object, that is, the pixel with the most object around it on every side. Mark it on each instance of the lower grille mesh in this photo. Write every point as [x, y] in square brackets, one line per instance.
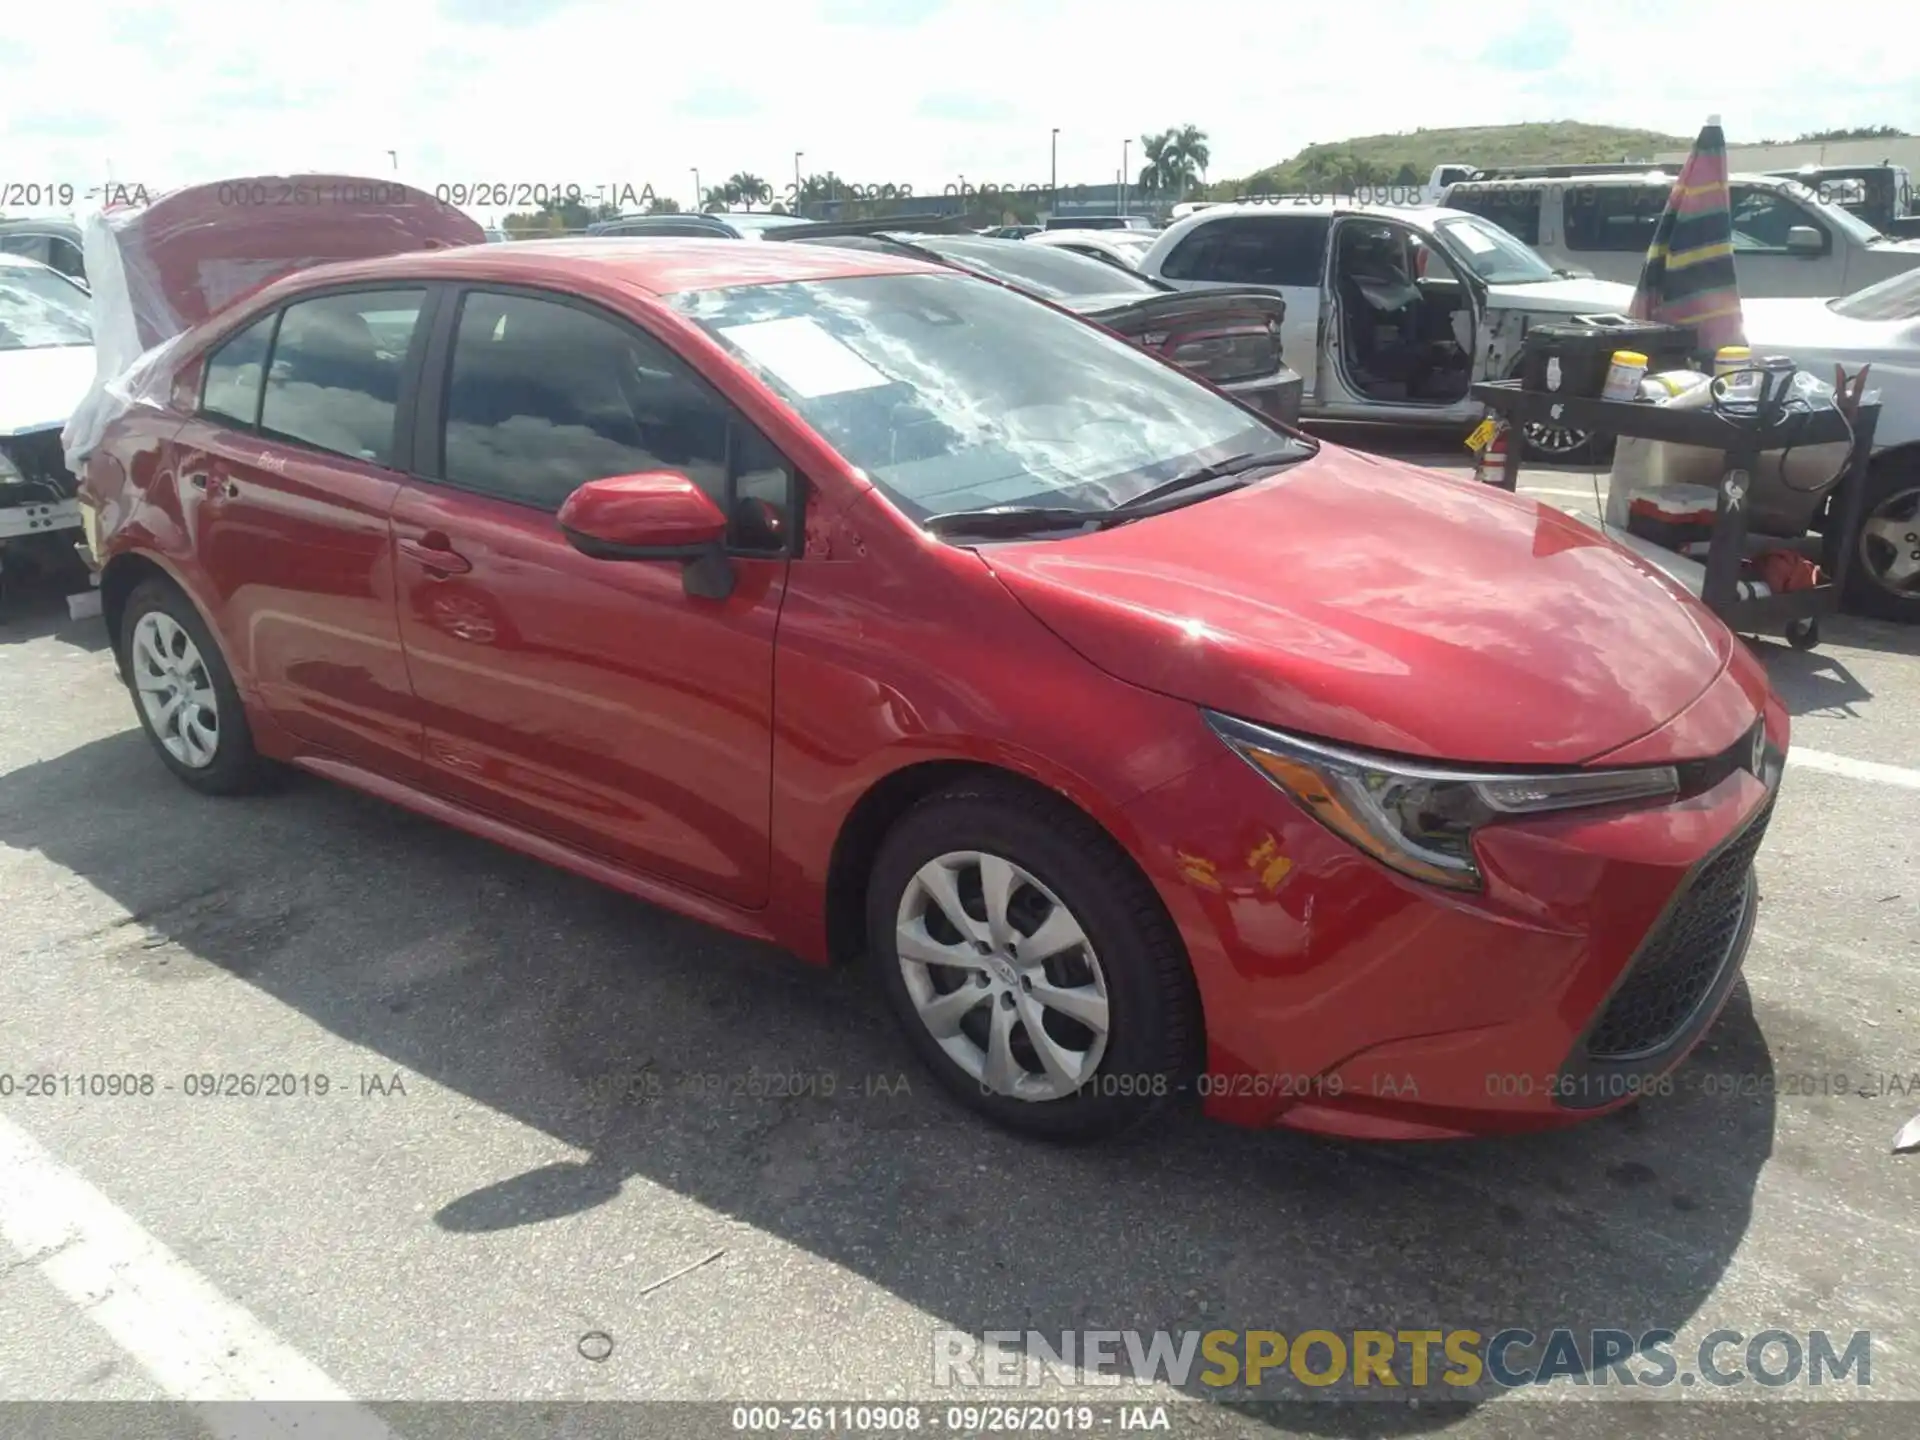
[1678, 962]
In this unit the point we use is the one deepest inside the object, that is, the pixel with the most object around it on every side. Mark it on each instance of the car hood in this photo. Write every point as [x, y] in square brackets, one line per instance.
[40, 387]
[1564, 297]
[1782, 323]
[1366, 601]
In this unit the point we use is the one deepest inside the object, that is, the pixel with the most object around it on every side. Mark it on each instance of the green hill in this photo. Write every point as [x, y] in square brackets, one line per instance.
[1408, 159]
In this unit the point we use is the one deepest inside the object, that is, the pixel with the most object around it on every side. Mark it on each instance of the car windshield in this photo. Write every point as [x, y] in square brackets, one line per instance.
[1897, 298]
[1491, 253]
[41, 308]
[1045, 270]
[955, 395]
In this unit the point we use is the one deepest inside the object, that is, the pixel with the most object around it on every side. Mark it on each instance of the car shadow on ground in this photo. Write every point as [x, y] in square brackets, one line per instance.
[663, 1049]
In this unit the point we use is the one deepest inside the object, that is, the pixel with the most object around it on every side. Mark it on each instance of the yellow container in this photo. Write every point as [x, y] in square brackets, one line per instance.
[1729, 358]
[1623, 379]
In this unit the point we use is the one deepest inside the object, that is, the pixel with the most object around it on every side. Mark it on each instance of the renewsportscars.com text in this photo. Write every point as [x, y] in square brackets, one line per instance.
[1399, 1359]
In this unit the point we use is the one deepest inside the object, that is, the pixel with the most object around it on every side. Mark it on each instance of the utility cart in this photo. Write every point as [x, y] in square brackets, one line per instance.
[1742, 438]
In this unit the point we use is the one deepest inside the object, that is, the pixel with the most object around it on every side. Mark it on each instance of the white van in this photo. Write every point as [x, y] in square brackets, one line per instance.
[1786, 239]
[1393, 311]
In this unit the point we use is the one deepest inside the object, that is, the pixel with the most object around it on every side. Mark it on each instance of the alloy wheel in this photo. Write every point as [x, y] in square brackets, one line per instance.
[175, 690]
[1549, 441]
[1890, 544]
[1002, 975]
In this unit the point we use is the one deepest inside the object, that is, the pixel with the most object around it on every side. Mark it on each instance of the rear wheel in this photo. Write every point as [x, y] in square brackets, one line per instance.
[1030, 963]
[184, 694]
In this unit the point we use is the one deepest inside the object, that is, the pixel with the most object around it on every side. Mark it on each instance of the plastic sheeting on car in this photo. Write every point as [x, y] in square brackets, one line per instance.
[157, 270]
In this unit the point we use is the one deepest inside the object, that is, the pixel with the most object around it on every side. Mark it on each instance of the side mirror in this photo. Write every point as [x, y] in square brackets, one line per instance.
[1805, 240]
[656, 515]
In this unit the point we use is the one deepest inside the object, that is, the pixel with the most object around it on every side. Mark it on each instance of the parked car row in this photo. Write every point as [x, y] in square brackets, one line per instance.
[1131, 741]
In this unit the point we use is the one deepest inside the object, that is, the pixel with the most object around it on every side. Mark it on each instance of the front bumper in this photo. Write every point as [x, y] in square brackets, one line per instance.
[1345, 999]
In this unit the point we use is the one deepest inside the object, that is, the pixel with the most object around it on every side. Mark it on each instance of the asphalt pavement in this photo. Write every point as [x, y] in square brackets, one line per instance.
[574, 1148]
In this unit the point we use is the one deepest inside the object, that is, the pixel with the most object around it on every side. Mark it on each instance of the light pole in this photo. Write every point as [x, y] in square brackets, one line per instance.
[1125, 145]
[1053, 173]
[796, 180]
[394, 155]
[696, 188]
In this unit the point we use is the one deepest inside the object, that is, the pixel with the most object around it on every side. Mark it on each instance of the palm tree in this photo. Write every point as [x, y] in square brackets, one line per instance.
[746, 187]
[1190, 146]
[1167, 171]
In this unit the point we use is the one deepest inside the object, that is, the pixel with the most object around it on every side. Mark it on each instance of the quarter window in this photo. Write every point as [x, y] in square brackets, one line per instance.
[1253, 250]
[543, 397]
[335, 378]
[234, 373]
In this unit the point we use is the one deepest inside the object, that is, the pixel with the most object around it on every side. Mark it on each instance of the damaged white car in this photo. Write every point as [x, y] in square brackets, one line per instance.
[1393, 312]
[46, 364]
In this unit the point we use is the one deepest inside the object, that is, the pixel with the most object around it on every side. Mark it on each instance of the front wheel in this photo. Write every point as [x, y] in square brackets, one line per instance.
[1030, 964]
[1884, 579]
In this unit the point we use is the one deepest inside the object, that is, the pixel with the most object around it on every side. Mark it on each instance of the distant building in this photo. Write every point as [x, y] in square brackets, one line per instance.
[1071, 200]
[1751, 158]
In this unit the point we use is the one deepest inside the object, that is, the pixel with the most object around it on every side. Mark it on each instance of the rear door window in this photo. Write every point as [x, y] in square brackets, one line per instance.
[1611, 217]
[235, 372]
[334, 382]
[1253, 250]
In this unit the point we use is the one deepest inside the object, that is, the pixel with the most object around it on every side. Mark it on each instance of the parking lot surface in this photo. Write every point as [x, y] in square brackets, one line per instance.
[575, 1148]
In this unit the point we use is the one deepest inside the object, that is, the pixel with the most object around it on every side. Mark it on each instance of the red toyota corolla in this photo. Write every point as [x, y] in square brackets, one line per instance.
[1139, 745]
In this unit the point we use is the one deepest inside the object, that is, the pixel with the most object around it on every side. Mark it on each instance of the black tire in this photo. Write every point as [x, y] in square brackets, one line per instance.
[1154, 1032]
[1865, 594]
[236, 768]
[1803, 634]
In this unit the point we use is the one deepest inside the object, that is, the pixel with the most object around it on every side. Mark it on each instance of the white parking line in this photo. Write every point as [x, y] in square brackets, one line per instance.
[1855, 769]
[196, 1344]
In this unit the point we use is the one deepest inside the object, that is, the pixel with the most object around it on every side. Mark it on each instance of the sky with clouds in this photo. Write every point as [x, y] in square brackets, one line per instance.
[920, 92]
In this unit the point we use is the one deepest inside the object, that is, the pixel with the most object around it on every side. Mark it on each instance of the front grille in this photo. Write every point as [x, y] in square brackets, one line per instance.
[39, 460]
[1679, 961]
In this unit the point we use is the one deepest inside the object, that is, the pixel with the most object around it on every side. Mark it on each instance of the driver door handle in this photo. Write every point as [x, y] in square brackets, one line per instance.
[434, 553]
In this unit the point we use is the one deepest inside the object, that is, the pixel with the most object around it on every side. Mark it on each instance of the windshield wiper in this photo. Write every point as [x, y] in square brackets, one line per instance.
[1219, 470]
[1012, 520]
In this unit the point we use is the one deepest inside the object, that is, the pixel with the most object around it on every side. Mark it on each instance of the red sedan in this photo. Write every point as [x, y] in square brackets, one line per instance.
[1139, 745]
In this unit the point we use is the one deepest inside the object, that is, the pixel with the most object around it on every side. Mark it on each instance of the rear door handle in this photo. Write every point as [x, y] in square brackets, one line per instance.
[226, 487]
[439, 559]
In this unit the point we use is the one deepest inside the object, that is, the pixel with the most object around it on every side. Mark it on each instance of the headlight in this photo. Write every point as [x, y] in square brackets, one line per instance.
[1420, 819]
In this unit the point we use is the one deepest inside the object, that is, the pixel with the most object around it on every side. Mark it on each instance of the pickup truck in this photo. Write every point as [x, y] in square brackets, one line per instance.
[1882, 195]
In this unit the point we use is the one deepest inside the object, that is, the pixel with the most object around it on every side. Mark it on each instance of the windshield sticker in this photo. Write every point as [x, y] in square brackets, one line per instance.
[1471, 237]
[804, 357]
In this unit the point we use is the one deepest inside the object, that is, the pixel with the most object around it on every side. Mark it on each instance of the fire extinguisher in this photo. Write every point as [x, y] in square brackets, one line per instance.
[1490, 460]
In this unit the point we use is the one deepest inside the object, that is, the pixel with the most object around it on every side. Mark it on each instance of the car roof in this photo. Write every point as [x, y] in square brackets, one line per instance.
[663, 265]
[1309, 205]
[1625, 175]
[44, 224]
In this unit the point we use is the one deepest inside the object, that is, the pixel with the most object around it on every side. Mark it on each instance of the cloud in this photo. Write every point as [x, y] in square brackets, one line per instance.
[907, 13]
[960, 105]
[1538, 42]
[718, 102]
[599, 92]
